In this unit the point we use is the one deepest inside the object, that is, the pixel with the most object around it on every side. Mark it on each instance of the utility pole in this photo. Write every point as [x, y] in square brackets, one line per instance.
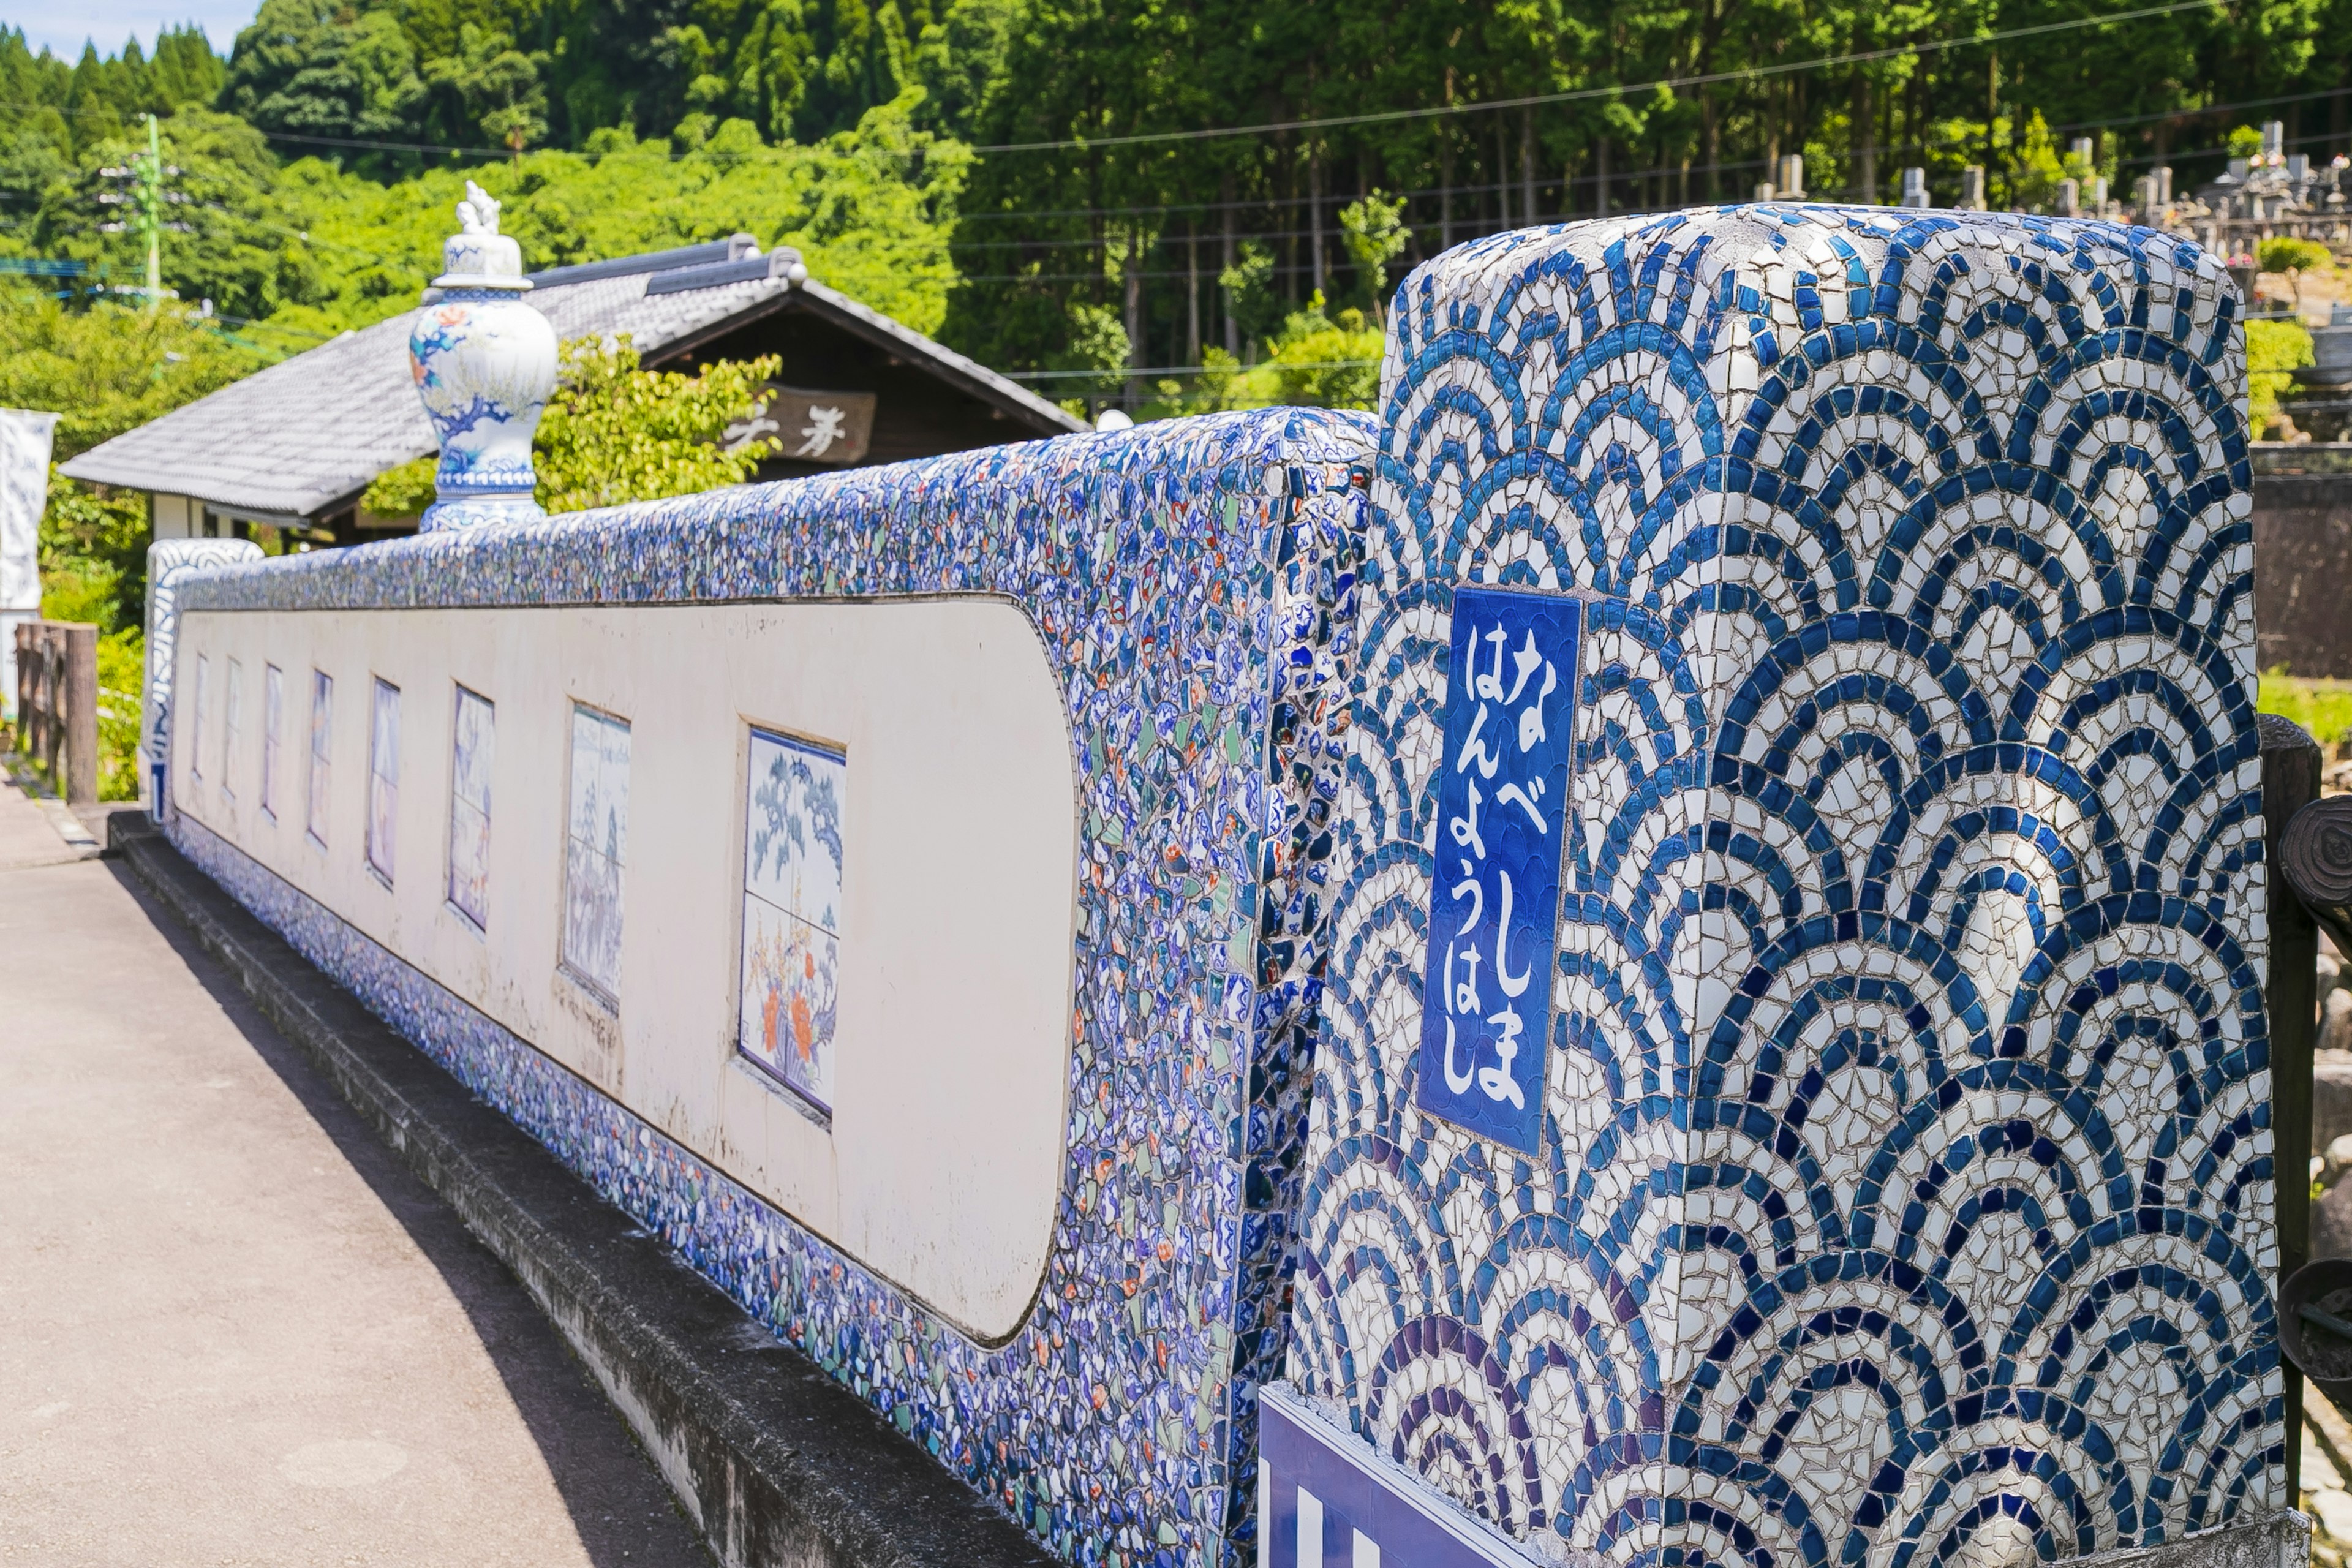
[147, 198]
[151, 212]
[1992, 117]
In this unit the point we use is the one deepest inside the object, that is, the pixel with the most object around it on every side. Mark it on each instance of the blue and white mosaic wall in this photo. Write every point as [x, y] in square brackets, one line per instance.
[1193, 586]
[1902, 1191]
[171, 563]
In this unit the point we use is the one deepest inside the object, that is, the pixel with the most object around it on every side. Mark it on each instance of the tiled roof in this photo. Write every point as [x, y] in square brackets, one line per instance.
[306, 436]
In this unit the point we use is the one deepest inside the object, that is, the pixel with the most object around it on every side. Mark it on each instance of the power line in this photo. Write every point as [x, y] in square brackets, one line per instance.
[1380, 117]
[1267, 203]
[1580, 95]
[1120, 373]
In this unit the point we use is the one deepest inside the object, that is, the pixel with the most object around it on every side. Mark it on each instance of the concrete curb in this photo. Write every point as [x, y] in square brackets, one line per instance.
[776, 1462]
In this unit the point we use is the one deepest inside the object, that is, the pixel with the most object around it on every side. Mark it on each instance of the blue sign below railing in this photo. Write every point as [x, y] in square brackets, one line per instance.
[1326, 1499]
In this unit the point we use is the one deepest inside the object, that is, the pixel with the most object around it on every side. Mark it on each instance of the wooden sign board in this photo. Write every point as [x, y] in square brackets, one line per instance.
[810, 427]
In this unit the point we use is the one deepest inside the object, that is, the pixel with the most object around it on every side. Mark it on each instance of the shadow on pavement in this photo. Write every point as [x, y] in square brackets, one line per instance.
[625, 1513]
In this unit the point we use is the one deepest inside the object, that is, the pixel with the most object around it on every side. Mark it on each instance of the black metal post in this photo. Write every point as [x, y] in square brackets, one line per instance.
[2290, 782]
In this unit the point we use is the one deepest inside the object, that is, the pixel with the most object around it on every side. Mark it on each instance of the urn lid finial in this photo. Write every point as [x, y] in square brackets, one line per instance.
[477, 256]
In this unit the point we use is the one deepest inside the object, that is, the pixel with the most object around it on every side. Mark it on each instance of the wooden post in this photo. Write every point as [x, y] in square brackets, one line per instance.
[78, 664]
[2290, 782]
[53, 737]
[57, 704]
[24, 635]
[28, 689]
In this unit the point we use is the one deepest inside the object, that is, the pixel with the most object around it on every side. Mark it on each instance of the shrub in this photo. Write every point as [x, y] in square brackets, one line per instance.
[615, 432]
[2275, 351]
[2322, 707]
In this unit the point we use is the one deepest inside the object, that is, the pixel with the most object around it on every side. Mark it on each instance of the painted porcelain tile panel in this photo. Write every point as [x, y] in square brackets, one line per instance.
[233, 728]
[384, 779]
[318, 784]
[794, 795]
[1192, 586]
[595, 844]
[472, 749]
[196, 724]
[273, 712]
[1903, 1187]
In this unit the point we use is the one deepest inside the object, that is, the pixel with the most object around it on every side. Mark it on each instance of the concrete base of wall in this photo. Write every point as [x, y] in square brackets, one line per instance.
[2282, 1540]
[776, 1462]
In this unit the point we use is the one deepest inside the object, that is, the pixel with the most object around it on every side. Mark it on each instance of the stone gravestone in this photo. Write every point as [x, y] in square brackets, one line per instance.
[1878, 1170]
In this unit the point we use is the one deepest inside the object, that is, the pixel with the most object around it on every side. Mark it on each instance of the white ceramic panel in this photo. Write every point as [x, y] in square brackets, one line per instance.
[940, 1163]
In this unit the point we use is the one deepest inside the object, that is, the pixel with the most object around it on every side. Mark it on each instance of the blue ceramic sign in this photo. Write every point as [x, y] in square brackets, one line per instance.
[1327, 1498]
[1494, 910]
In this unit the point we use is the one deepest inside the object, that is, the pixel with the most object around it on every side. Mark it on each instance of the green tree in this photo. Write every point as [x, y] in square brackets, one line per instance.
[1326, 363]
[2275, 351]
[185, 70]
[1373, 231]
[305, 69]
[103, 371]
[959, 60]
[2294, 257]
[108, 368]
[486, 89]
[1094, 342]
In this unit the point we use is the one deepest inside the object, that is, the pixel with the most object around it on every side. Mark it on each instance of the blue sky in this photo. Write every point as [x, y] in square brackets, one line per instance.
[107, 23]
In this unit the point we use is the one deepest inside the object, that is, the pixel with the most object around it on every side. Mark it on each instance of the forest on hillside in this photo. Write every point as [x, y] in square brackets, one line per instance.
[1074, 186]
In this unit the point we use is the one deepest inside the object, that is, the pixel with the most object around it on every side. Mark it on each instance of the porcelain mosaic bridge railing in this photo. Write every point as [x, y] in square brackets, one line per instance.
[1190, 587]
[1899, 1184]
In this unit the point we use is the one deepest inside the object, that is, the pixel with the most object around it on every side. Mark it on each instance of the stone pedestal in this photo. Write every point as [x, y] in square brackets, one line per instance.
[1901, 1186]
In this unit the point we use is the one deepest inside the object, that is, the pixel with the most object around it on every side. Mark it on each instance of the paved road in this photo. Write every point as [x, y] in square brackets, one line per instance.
[233, 1327]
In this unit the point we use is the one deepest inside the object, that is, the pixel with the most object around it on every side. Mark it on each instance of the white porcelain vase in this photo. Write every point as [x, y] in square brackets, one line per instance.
[484, 363]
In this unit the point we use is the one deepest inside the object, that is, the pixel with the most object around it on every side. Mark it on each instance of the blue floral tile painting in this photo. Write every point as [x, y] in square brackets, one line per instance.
[795, 792]
[595, 839]
[319, 786]
[232, 738]
[473, 746]
[273, 715]
[383, 780]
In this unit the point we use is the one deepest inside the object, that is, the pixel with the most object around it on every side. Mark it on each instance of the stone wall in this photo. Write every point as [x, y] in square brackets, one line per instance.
[2302, 571]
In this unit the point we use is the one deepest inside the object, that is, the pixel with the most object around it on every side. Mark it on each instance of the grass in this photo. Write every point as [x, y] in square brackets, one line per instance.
[2321, 706]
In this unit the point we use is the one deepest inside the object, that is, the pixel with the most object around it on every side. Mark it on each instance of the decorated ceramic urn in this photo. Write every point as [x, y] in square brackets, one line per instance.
[485, 363]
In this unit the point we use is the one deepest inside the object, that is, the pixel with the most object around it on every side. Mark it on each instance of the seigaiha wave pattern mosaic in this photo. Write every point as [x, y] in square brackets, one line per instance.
[1903, 1188]
[1194, 585]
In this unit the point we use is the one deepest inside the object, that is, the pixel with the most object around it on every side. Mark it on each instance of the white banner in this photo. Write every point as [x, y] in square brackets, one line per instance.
[24, 492]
